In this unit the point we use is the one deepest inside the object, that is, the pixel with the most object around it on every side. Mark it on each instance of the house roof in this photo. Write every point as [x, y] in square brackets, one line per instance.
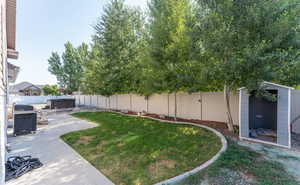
[274, 84]
[22, 86]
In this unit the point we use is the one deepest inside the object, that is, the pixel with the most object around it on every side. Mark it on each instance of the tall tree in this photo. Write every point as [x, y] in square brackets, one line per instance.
[248, 41]
[170, 45]
[51, 90]
[68, 68]
[119, 37]
[56, 68]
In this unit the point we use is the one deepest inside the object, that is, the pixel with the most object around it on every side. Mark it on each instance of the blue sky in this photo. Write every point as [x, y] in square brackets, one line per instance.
[44, 26]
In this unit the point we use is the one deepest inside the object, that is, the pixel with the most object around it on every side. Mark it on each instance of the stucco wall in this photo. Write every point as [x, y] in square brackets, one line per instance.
[202, 106]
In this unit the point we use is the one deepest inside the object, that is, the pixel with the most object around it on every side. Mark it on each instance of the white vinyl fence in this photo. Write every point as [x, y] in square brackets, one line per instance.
[202, 106]
[28, 100]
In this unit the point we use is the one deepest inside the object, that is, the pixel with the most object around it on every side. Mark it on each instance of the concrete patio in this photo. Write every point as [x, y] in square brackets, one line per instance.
[62, 165]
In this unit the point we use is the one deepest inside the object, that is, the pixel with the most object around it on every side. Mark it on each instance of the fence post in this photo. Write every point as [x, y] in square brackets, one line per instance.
[117, 103]
[90, 100]
[168, 104]
[201, 105]
[97, 101]
[130, 95]
[147, 104]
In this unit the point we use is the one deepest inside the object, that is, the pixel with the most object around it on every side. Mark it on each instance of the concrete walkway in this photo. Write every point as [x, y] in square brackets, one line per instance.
[62, 165]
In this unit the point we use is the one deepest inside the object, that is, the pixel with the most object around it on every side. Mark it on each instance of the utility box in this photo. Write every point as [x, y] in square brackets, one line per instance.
[25, 122]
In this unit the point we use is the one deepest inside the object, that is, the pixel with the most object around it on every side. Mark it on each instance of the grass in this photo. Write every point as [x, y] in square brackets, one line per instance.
[140, 151]
[240, 164]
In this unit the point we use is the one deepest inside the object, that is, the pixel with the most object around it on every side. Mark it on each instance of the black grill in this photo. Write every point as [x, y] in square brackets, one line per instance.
[25, 120]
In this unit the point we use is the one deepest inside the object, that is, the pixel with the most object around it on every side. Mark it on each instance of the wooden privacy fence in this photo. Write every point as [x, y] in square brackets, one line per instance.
[202, 106]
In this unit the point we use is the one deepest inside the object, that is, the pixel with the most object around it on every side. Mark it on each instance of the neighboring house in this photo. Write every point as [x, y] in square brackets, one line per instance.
[26, 89]
[7, 50]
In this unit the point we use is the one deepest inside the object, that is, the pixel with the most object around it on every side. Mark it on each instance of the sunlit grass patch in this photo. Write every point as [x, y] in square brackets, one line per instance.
[133, 150]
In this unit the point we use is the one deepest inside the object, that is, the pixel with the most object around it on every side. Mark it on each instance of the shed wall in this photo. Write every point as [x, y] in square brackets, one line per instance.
[283, 114]
[295, 111]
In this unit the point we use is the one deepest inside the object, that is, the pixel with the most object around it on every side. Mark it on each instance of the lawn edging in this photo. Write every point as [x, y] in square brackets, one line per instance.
[202, 166]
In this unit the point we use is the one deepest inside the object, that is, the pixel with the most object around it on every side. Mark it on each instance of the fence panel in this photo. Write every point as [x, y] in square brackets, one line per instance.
[113, 102]
[189, 106]
[139, 103]
[202, 106]
[214, 108]
[158, 104]
[124, 102]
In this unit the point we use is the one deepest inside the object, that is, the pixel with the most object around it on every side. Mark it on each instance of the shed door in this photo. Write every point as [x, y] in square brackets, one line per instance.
[262, 113]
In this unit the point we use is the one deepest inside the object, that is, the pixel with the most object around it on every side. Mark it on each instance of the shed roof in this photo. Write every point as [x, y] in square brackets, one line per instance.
[270, 83]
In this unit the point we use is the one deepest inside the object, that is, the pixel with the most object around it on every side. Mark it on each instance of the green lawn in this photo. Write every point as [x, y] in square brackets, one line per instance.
[241, 165]
[141, 151]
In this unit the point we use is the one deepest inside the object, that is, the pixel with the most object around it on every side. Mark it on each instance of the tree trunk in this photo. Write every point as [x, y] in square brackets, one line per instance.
[175, 116]
[227, 91]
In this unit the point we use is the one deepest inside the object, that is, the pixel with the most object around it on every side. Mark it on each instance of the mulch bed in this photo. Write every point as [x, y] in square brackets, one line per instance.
[219, 126]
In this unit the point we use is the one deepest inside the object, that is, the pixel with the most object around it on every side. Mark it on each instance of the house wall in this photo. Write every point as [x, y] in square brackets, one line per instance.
[3, 87]
[283, 114]
[201, 106]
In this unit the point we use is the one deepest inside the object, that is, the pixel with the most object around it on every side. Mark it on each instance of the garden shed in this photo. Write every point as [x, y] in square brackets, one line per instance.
[270, 121]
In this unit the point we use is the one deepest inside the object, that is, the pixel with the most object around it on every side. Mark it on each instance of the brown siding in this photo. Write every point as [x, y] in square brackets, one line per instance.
[11, 24]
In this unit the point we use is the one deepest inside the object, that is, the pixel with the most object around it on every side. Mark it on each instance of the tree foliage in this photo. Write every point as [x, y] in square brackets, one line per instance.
[52, 90]
[170, 44]
[68, 68]
[186, 45]
[118, 47]
[247, 42]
